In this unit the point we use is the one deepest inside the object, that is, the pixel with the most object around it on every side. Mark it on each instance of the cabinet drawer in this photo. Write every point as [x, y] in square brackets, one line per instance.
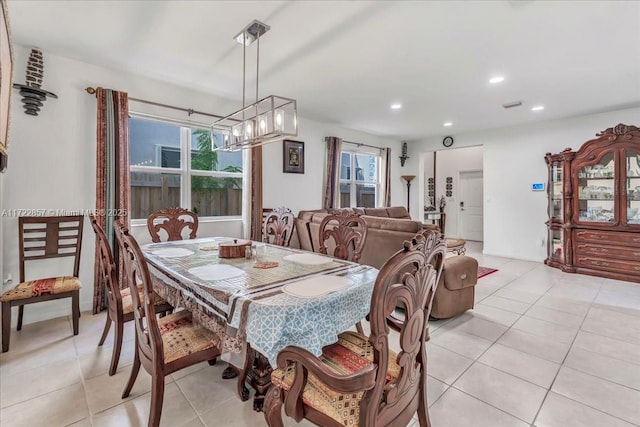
[630, 267]
[608, 237]
[608, 251]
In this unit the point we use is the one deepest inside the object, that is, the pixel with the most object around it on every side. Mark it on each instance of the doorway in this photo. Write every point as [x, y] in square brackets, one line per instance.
[470, 218]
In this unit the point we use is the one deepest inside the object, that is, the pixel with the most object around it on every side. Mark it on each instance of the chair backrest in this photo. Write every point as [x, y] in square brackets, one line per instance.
[408, 280]
[45, 237]
[107, 265]
[348, 232]
[148, 337]
[279, 224]
[172, 220]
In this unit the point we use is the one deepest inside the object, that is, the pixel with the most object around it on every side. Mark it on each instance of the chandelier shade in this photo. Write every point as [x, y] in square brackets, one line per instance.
[272, 118]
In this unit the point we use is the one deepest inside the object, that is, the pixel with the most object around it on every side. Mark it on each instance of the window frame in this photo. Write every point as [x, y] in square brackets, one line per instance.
[353, 182]
[185, 171]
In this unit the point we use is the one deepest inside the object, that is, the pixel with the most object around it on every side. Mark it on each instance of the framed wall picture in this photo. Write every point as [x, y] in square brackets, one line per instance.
[293, 156]
[6, 70]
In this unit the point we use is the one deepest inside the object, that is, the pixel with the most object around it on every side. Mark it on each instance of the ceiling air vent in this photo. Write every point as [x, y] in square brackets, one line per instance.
[512, 104]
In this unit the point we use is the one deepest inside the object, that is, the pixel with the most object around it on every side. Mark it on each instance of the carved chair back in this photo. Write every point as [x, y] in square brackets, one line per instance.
[148, 337]
[172, 220]
[107, 266]
[278, 227]
[407, 280]
[347, 231]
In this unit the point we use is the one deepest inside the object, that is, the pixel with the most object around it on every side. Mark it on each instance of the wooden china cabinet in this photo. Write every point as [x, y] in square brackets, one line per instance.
[594, 206]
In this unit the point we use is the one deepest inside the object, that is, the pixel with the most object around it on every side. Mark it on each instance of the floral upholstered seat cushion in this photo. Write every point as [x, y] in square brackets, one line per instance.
[127, 301]
[351, 353]
[181, 337]
[39, 287]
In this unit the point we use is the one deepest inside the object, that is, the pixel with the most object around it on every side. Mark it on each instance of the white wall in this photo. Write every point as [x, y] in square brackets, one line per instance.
[52, 158]
[514, 216]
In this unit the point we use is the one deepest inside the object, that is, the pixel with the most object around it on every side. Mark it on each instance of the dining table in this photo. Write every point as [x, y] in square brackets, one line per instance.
[259, 304]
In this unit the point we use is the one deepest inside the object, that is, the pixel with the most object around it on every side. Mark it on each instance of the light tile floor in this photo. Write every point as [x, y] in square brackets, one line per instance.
[541, 348]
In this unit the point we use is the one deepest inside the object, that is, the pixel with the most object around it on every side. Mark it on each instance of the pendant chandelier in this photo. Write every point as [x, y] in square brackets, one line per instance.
[269, 119]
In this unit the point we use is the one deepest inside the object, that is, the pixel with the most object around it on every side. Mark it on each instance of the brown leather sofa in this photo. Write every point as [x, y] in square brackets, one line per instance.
[388, 228]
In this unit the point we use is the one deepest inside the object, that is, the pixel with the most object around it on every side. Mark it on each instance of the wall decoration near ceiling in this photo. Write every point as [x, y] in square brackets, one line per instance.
[449, 187]
[32, 94]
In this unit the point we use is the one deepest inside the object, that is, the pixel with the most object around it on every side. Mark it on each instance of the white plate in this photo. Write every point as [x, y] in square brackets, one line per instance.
[172, 252]
[216, 272]
[316, 286]
[308, 259]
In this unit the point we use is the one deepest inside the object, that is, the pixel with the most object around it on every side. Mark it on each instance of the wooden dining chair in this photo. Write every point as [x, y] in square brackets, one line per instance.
[172, 220]
[359, 380]
[120, 303]
[163, 345]
[277, 227]
[40, 238]
[346, 232]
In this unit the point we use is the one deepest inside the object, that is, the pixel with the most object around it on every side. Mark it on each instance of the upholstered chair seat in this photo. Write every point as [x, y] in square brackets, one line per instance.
[351, 353]
[127, 302]
[181, 337]
[40, 287]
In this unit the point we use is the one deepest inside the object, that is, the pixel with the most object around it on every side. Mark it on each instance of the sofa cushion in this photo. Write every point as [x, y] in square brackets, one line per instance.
[460, 272]
[392, 224]
[398, 212]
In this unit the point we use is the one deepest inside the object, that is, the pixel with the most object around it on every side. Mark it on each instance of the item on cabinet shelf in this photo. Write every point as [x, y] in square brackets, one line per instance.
[631, 212]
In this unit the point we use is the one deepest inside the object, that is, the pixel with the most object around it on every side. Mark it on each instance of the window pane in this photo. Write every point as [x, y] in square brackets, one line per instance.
[345, 166]
[345, 195]
[153, 191]
[153, 143]
[212, 196]
[202, 158]
[366, 195]
[365, 167]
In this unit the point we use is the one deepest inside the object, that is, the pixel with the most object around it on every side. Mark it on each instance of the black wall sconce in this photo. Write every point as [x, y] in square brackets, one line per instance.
[32, 95]
[404, 156]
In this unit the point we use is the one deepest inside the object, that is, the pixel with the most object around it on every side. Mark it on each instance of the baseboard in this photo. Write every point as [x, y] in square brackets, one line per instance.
[511, 256]
[47, 310]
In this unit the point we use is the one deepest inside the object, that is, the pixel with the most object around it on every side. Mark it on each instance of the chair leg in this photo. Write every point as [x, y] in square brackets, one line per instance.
[117, 347]
[273, 407]
[157, 396]
[75, 310]
[134, 373]
[423, 405]
[20, 313]
[105, 332]
[6, 325]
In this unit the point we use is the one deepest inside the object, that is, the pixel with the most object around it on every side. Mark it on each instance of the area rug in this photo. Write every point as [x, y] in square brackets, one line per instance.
[483, 271]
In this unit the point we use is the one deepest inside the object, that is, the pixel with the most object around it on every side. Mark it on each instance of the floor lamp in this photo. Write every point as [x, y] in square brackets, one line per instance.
[408, 178]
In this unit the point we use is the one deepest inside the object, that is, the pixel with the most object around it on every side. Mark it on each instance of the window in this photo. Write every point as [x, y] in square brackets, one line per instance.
[359, 179]
[209, 184]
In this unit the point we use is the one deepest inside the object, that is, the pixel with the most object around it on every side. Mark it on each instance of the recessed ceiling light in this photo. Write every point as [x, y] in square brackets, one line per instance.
[537, 108]
[447, 124]
[396, 106]
[496, 79]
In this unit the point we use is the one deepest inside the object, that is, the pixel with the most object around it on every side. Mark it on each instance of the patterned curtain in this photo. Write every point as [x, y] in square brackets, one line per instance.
[256, 193]
[386, 176]
[112, 174]
[332, 173]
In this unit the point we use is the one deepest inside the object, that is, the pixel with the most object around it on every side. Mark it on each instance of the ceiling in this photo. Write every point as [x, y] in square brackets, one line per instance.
[346, 62]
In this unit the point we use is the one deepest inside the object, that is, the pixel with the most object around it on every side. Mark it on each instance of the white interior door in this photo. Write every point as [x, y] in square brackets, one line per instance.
[471, 206]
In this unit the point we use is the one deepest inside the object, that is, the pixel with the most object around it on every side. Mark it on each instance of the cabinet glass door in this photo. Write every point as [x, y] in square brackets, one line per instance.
[596, 191]
[556, 248]
[632, 163]
[556, 191]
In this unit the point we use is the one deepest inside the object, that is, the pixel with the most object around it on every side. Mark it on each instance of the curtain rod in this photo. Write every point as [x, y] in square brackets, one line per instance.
[362, 145]
[189, 111]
